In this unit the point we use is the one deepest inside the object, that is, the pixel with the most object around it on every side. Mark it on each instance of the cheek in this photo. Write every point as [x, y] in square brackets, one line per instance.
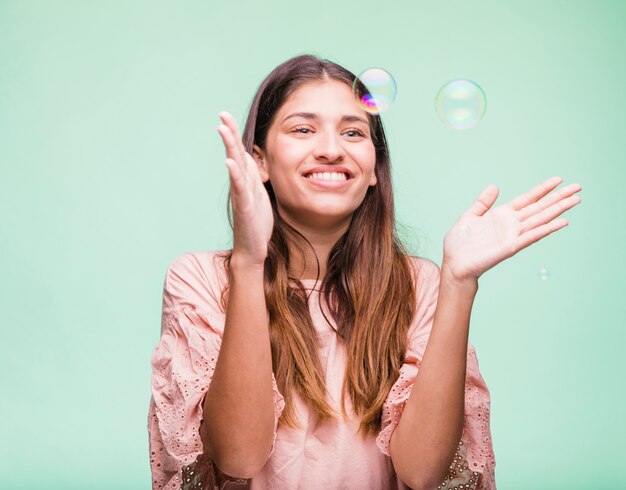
[289, 148]
[367, 157]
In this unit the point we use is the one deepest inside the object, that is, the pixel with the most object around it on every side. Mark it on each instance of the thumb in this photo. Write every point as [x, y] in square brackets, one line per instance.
[485, 200]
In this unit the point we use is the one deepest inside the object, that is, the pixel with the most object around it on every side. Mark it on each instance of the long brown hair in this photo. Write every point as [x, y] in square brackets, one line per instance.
[369, 286]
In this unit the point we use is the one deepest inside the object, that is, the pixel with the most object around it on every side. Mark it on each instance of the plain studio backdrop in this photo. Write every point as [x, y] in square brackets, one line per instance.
[111, 166]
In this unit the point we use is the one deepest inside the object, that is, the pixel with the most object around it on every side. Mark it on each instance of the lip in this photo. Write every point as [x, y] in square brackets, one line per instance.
[329, 184]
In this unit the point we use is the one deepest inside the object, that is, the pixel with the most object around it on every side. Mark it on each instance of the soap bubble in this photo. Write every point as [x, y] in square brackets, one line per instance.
[461, 104]
[382, 90]
[544, 274]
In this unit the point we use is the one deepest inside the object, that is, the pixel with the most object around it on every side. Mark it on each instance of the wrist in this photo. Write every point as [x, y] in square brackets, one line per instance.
[460, 283]
[241, 263]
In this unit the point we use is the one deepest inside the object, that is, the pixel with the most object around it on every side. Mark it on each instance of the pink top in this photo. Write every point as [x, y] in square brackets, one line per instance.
[330, 455]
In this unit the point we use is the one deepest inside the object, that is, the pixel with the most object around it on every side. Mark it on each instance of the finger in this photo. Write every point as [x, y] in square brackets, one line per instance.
[538, 233]
[550, 213]
[231, 147]
[227, 139]
[246, 161]
[229, 120]
[485, 200]
[548, 201]
[241, 195]
[236, 182]
[535, 193]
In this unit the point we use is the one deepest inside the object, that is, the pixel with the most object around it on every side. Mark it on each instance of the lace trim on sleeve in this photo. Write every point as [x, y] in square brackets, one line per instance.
[183, 364]
[473, 465]
[394, 406]
[202, 474]
[460, 475]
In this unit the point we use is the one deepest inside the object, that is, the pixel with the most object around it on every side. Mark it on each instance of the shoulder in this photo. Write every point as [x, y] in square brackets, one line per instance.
[427, 293]
[199, 264]
[195, 279]
[427, 270]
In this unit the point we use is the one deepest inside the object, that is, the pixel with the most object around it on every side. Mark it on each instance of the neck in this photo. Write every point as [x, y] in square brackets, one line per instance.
[320, 243]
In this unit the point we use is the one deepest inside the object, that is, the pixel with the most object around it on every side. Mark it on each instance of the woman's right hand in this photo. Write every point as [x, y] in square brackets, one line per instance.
[253, 219]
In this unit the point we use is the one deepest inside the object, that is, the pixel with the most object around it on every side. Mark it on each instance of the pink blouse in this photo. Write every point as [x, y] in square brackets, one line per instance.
[329, 455]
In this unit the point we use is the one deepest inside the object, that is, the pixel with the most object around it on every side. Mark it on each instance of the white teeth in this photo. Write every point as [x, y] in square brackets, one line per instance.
[327, 176]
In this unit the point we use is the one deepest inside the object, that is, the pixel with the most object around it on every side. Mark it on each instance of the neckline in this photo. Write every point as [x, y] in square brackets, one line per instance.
[310, 283]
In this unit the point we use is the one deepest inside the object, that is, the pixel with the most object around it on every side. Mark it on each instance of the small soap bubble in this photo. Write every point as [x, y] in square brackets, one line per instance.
[464, 231]
[461, 104]
[382, 90]
[544, 274]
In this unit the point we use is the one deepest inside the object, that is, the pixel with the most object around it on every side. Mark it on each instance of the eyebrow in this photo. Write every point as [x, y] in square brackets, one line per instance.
[312, 115]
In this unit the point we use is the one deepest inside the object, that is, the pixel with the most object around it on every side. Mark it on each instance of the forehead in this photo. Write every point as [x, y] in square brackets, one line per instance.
[331, 96]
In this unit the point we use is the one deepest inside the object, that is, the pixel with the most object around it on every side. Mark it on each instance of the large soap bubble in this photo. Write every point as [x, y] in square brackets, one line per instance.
[461, 104]
[382, 90]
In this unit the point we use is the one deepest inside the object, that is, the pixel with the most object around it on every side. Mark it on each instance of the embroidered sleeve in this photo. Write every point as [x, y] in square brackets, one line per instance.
[202, 474]
[473, 465]
[474, 461]
[183, 363]
[182, 368]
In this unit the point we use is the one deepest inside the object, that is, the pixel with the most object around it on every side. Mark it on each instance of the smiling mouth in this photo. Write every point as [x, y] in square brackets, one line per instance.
[336, 183]
[328, 176]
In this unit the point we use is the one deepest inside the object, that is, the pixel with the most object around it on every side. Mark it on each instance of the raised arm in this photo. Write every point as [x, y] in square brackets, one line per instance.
[424, 441]
[238, 423]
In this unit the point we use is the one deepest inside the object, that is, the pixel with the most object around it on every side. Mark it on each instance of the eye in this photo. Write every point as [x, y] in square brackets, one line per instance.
[357, 132]
[302, 129]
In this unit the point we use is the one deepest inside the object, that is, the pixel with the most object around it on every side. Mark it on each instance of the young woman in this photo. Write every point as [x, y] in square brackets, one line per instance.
[291, 361]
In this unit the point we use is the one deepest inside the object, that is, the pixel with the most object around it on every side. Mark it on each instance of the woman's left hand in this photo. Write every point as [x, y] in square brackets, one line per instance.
[483, 237]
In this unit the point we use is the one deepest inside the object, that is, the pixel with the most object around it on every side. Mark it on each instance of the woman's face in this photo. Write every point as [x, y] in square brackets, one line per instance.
[320, 127]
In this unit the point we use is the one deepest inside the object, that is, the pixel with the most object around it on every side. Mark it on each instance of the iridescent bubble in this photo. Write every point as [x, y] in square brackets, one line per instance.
[382, 90]
[461, 104]
[544, 274]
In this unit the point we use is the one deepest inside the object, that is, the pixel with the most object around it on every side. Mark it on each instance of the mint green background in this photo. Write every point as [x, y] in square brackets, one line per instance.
[111, 166]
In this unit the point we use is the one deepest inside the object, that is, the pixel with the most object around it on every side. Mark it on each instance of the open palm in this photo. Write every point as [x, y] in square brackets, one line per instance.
[483, 237]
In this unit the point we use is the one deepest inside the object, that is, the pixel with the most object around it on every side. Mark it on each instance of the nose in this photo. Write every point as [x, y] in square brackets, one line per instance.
[328, 147]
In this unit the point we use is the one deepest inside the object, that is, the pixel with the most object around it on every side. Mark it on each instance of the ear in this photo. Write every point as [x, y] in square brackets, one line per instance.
[259, 157]
[373, 180]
